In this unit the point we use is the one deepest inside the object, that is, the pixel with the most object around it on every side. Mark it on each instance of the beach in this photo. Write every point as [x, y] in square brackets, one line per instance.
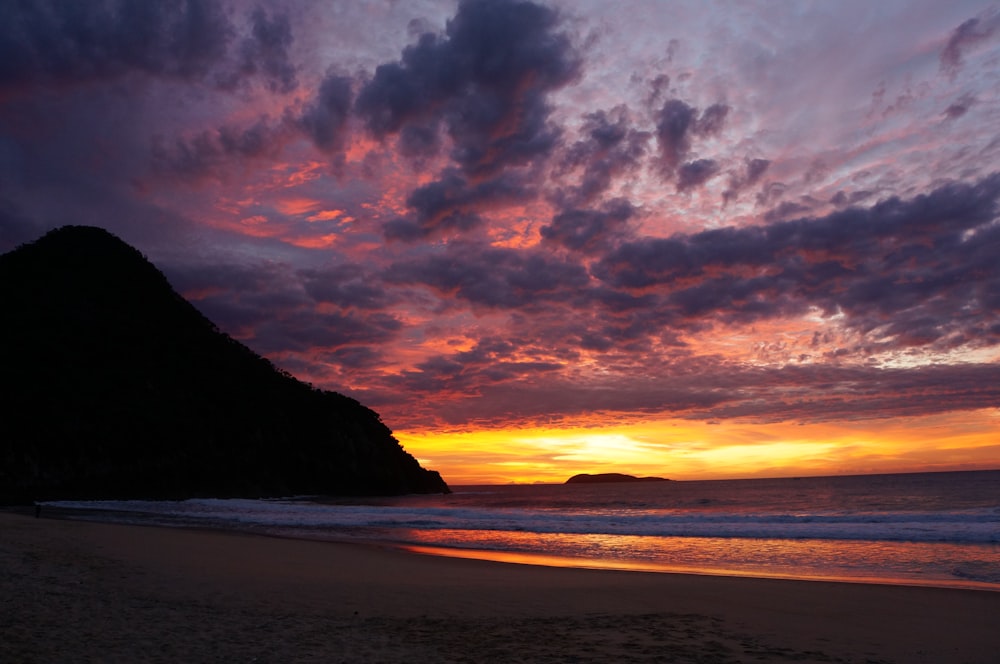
[74, 591]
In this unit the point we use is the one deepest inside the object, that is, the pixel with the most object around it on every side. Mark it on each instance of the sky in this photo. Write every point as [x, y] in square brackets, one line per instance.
[687, 239]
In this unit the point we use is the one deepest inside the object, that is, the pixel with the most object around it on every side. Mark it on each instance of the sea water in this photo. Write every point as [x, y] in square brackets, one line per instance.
[935, 529]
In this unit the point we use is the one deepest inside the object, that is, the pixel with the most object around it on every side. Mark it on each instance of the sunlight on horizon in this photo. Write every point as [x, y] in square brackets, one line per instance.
[692, 450]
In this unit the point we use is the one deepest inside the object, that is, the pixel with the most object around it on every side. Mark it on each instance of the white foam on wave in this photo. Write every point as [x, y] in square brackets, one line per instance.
[976, 526]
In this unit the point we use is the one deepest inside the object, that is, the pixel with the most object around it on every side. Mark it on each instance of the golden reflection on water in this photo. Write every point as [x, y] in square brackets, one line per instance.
[903, 563]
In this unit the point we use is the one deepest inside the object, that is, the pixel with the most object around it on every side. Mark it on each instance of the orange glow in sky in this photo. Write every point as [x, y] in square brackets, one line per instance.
[686, 450]
[547, 238]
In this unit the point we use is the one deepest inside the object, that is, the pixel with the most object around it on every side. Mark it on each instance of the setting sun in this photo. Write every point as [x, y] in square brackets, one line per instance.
[686, 450]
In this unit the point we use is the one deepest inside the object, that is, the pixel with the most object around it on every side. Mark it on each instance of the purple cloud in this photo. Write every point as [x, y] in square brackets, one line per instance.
[916, 271]
[68, 43]
[493, 276]
[589, 230]
[971, 32]
[673, 126]
[486, 80]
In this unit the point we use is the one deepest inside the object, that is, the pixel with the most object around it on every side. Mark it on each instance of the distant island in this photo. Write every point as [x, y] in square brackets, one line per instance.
[611, 478]
[116, 387]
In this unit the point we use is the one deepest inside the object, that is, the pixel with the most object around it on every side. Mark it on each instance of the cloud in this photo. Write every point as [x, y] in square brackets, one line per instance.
[589, 230]
[210, 152]
[535, 267]
[486, 81]
[912, 273]
[324, 120]
[960, 107]
[470, 394]
[610, 148]
[265, 51]
[355, 357]
[272, 307]
[453, 203]
[712, 120]
[823, 393]
[349, 286]
[695, 173]
[490, 361]
[493, 276]
[306, 330]
[754, 170]
[968, 34]
[58, 43]
[49, 42]
[416, 141]
[674, 122]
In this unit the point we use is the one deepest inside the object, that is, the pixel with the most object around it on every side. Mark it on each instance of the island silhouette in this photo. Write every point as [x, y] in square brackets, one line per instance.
[117, 387]
[611, 478]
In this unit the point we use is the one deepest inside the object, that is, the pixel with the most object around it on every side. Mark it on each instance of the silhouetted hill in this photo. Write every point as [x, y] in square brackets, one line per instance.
[611, 478]
[113, 385]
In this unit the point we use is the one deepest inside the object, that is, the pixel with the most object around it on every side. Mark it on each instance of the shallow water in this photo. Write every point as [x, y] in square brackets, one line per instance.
[922, 529]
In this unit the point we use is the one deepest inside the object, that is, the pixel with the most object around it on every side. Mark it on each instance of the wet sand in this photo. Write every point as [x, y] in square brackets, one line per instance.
[73, 591]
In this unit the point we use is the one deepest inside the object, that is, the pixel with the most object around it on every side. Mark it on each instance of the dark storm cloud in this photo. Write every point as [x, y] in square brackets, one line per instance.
[493, 276]
[917, 272]
[53, 42]
[589, 230]
[486, 80]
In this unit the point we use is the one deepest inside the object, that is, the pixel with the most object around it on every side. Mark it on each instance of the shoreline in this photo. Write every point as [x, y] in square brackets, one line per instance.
[519, 557]
[110, 592]
[544, 560]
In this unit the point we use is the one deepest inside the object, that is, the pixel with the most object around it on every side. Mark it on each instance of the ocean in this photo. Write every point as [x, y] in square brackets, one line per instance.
[928, 529]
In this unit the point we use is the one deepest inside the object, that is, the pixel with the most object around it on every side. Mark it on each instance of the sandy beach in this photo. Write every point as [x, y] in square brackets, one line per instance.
[73, 591]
